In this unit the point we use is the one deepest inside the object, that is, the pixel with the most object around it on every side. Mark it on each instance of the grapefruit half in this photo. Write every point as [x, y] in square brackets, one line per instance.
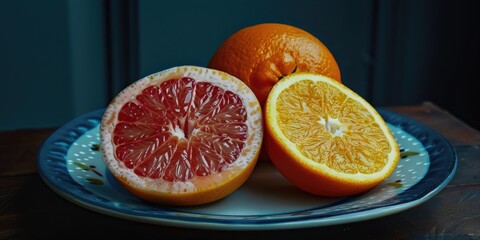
[184, 136]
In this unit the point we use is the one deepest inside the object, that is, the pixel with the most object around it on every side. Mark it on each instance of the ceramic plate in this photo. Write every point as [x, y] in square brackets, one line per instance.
[70, 163]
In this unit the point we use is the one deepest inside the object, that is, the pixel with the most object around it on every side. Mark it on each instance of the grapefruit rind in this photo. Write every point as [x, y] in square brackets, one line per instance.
[159, 188]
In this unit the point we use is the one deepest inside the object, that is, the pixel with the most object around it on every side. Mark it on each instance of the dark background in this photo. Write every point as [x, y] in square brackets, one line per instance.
[63, 58]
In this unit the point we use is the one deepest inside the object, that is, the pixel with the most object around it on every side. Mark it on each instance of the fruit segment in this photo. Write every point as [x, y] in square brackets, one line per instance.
[180, 129]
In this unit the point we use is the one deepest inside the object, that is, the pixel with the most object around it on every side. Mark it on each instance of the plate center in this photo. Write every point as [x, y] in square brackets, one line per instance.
[266, 192]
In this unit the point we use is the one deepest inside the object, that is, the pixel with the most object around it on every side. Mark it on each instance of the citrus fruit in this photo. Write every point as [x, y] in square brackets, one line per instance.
[183, 136]
[325, 138]
[262, 54]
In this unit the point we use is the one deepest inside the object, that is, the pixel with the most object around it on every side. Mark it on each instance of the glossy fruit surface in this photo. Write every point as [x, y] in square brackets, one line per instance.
[325, 138]
[184, 136]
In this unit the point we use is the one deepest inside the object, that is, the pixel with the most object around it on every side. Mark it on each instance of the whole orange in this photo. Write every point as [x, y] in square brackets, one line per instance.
[262, 54]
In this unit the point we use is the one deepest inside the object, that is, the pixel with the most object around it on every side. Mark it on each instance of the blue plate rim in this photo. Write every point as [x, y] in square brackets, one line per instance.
[55, 146]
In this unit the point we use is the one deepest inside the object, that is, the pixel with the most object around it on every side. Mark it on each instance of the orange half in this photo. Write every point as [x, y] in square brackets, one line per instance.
[325, 138]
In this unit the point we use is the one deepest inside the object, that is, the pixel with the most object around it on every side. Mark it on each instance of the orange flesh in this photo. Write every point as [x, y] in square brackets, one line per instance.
[180, 129]
[343, 136]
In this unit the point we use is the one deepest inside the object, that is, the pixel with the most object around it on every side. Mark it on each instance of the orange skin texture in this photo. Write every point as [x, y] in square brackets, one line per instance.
[262, 54]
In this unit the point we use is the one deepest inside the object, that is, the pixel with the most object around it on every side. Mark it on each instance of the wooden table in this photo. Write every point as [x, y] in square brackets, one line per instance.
[31, 210]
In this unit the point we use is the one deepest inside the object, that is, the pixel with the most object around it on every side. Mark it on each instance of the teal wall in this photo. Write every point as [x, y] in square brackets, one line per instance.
[63, 58]
[51, 61]
[34, 60]
[188, 32]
